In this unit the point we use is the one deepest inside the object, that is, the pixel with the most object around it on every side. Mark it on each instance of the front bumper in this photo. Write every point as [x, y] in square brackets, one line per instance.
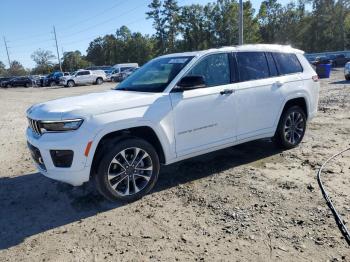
[78, 172]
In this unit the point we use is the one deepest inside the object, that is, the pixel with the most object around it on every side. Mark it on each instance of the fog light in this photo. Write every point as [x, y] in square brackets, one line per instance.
[62, 158]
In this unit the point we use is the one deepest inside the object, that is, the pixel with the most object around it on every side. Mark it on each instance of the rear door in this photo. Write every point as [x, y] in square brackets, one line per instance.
[258, 97]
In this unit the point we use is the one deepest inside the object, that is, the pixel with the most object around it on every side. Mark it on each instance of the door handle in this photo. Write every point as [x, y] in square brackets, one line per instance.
[226, 92]
[279, 83]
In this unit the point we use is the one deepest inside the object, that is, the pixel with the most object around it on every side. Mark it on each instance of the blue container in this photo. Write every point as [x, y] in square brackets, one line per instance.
[323, 70]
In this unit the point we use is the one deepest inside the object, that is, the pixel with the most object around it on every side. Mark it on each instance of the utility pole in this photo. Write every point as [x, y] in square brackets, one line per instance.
[7, 51]
[240, 29]
[58, 54]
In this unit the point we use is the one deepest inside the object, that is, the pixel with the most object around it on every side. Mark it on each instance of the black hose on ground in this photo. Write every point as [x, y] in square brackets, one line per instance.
[344, 230]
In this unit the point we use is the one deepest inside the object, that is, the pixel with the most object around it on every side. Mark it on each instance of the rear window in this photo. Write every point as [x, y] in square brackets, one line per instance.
[252, 66]
[287, 63]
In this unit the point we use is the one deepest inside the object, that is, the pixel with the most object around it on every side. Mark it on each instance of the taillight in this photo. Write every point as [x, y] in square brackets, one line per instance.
[315, 78]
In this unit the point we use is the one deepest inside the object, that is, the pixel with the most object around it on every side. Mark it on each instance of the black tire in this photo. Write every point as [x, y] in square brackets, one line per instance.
[8, 85]
[27, 85]
[296, 131]
[70, 83]
[99, 81]
[347, 78]
[125, 172]
[52, 84]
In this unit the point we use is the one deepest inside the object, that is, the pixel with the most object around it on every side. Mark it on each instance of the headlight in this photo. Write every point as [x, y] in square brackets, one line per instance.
[60, 126]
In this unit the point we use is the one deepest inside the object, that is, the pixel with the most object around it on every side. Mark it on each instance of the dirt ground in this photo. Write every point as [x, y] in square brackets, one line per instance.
[251, 202]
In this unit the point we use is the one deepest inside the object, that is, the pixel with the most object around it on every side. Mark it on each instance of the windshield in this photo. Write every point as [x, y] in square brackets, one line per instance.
[155, 75]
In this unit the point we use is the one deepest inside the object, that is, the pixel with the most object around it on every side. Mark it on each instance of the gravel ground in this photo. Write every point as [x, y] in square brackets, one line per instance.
[249, 202]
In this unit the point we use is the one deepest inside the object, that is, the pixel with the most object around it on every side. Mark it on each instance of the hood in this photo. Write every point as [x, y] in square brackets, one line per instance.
[90, 104]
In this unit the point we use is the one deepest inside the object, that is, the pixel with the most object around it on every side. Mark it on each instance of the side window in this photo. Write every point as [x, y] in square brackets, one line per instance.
[87, 73]
[272, 64]
[124, 69]
[252, 66]
[287, 63]
[215, 70]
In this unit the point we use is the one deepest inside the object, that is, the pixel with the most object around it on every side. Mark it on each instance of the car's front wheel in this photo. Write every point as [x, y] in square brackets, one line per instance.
[127, 170]
[291, 127]
[70, 83]
[99, 81]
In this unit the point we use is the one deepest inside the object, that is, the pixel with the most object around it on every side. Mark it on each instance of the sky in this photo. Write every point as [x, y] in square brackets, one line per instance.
[27, 25]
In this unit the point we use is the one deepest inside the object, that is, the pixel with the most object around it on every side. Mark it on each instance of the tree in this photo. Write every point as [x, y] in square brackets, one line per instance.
[17, 69]
[73, 61]
[270, 14]
[122, 47]
[170, 13]
[95, 52]
[158, 24]
[43, 58]
[3, 71]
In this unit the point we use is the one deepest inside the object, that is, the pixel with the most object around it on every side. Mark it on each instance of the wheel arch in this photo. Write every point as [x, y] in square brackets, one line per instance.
[144, 132]
[297, 101]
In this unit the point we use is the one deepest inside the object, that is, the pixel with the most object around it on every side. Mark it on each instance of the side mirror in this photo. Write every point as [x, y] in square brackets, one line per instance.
[191, 82]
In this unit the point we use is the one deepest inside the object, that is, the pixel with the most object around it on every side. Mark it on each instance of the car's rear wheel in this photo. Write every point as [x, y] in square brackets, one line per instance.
[70, 83]
[127, 170]
[27, 85]
[291, 127]
[52, 83]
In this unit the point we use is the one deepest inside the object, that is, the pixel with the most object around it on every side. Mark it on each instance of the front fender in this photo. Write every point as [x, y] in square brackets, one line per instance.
[167, 144]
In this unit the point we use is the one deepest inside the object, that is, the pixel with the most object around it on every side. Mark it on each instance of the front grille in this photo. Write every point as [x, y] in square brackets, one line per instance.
[35, 126]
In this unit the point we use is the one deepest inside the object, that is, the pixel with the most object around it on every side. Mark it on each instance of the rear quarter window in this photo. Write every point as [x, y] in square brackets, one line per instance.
[287, 63]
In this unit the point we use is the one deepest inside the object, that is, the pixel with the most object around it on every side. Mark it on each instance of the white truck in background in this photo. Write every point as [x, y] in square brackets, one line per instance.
[84, 77]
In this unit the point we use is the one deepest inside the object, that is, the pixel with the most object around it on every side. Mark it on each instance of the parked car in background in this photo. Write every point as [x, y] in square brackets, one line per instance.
[173, 108]
[347, 71]
[340, 60]
[24, 81]
[104, 68]
[53, 79]
[4, 81]
[83, 77]
[127, 73]
[116, 76]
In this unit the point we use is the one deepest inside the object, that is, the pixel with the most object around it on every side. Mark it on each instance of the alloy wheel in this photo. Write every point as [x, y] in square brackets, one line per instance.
[294, 128]
[130, 171]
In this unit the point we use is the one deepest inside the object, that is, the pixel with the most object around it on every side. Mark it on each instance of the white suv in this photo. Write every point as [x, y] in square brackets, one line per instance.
[84, 77]
[175, 107]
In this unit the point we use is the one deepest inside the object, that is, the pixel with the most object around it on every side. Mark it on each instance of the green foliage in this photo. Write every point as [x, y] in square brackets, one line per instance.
[43, 60]
[16, 69]
[73, 61]
[3, 71]
[122, 47]
[324, 27]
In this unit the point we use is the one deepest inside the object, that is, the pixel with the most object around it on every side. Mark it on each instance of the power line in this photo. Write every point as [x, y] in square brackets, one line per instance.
[68, 27]
[91, 17]
[101, 23]
[95, 36]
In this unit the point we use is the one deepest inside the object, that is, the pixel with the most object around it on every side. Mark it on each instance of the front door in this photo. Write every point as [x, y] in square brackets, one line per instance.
[204, 118]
